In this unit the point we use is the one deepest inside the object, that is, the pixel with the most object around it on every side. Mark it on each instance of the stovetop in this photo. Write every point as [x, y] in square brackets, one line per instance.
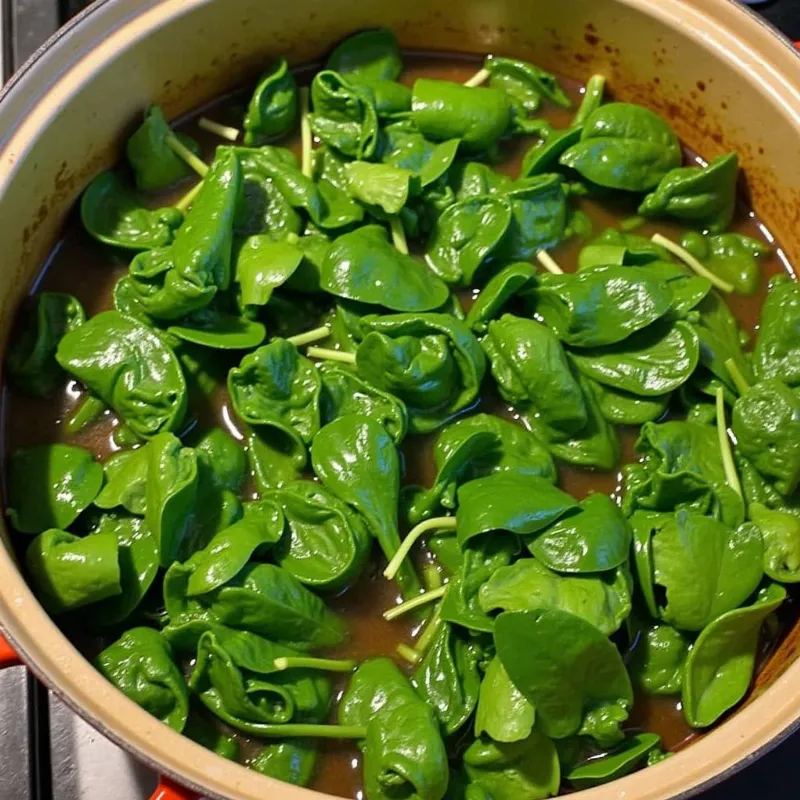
[49, 753]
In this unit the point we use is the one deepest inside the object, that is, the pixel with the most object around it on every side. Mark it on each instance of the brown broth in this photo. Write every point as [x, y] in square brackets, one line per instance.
[88, 270]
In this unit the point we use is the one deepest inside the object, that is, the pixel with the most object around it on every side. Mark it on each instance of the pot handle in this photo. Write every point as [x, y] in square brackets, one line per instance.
[8, 656]
[169, 790]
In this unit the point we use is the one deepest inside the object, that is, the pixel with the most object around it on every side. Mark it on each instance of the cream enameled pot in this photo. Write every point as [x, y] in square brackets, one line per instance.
[723, 79]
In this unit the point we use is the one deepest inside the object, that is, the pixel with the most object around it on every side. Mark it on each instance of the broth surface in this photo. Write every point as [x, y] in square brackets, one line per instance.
[85, 268]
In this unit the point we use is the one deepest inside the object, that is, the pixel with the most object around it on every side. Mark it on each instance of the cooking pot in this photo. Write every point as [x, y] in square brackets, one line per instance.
[724, 79]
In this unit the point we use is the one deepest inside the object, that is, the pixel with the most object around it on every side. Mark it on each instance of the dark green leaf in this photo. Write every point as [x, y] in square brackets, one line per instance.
[544, 155]
[623, 408]
[780, 531]
[368, 55]
[525, 82]
[380, 187]
[273, 107]
[777, 352]
[222, 332]
[630, 755]
[262, 265]
[503, 713]
[498, 291]
[734, 257]
[658, 657]
[291, 761]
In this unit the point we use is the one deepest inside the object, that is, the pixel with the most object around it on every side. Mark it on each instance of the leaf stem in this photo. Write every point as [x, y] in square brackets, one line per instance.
[314, 335]
[330, 355]
[691, 262]
[182, 151]
[306, 662]
[731, 476]
[548, 262]
[414, 602]
[408, 653]
[90, 408]
[481, 76]
[189, 198]
[316, 731]
[443, 523]
[305, 132]
[631, 223]
[429, 634]
[225, 131]
[398, 234]
[738, 379]
[592, 98]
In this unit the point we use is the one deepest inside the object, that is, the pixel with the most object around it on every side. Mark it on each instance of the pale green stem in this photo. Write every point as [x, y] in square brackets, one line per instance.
[90, 408]
[408, 653]
[431, 577]
[481, 76]
[691, 262]
[330, 355]
[548, 262]
[429, 634]
[393, 567]
[731, 476]
[592, 97]
[738, 379]
[225, 131]
[307, 662]
[314, 335]
[182, 151]
[414, 602]
[189, 198]
[305, 132]
[315, 731]
[398, 234]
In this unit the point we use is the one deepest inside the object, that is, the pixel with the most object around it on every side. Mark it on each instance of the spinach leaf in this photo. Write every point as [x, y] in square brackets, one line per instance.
[474, 179]
[777, 353]
[780, 531]
[705, 196]
[204, 731]
[659, 654]
[482, 556]
[599, 307]
[508, 501]
[766, 424]
[262, 265]
[391, 99]
[613, 246]
[594, 445]
[530, 367]
[624, 146]
[653, 361]
[290, 760]
[443, 110]
[269, 601]
[220, 331]
[50, 485]
[235, 677]
[278, 389]
[125, 481]
[623, 408]
[357, 461]
[225, 457]
[734, 257]
[591, 538]
[325, 544]
[31, 362]
[343, 393]
[626, 758]
[272, 110]
[498, 291]
[525, 85]
[113, 215]
[544, 156]
[170, 494]
[273, 458]
[720, 666]
[431, 362]
[539, 216]
[140, 665]
[368, 55]
[402, 146]
[503, 713]
[344, 115]
[130, 369]
[170, 282]
[466, 236]
[602, 600]
[448, 679]
[403, 753]
[688, 289]
[705, 567]
[154, 164]
[138, 564]
[524, 770]
[569, 670]
[384, 189]
[363, 266]
[69, 572]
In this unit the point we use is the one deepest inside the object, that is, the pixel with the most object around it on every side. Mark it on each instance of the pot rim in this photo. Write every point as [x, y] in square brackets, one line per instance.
[749, 733]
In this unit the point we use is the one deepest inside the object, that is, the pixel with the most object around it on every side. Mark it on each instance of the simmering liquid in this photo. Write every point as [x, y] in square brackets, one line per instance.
[83, 267]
